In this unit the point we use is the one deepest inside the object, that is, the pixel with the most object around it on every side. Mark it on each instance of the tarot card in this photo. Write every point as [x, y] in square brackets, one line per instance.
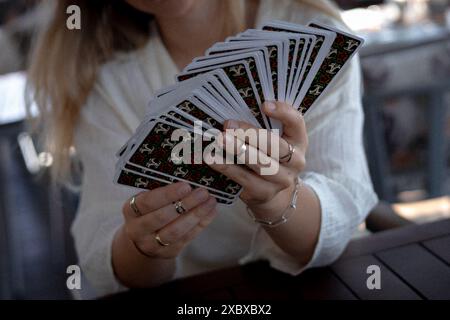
[258, 64]
[276, 58]
[263, 67]
[324, 40]
[344, 47]
[154, 153]
[133, 179]
[240, 75]
[296, 52]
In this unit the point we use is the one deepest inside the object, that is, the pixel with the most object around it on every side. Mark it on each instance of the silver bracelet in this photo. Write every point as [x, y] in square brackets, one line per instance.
[286, 213]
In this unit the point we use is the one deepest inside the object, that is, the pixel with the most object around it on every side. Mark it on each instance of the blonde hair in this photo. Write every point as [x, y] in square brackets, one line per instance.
[64, 64]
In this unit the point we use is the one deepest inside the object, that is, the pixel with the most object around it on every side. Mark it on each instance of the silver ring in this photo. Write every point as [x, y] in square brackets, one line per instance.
[179, 207]
[134, 207]
[288, 157]
[242, 150]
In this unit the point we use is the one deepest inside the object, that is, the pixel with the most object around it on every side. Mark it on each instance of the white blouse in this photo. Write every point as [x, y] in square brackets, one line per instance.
[336, 166]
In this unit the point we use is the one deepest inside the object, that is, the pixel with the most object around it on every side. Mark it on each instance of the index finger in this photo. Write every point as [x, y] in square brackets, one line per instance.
[150, 201]
[262, 139]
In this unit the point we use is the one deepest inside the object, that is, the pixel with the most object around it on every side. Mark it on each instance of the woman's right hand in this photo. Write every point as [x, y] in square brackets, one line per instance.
[157, 216]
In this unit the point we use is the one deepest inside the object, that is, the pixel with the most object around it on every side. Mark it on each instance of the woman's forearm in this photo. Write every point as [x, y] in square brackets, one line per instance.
[298, 236]
[135, 270]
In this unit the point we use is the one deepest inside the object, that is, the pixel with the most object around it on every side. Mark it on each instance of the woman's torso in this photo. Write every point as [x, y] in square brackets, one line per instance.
[119, 102]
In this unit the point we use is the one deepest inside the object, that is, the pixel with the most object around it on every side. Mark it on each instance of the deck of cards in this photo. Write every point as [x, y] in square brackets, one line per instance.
[281, 61]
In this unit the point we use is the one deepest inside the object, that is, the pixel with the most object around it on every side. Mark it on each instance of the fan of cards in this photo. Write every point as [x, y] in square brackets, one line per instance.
[282, 61]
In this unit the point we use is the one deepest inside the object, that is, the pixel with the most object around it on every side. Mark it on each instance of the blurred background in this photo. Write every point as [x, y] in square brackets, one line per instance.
[406, 67]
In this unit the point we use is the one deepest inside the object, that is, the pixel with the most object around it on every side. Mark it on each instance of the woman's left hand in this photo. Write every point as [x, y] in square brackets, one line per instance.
[267, 195]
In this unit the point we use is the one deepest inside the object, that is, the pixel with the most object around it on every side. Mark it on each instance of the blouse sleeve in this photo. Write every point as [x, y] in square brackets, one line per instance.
[99, 135]
[336, 170]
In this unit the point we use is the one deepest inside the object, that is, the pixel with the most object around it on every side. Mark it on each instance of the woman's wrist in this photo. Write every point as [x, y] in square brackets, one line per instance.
[276, 207]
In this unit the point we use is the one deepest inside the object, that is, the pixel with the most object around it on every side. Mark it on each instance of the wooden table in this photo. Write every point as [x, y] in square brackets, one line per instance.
[414, 262]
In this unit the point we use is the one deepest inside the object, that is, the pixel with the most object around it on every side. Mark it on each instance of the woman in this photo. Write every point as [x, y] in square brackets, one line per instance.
[92, 87]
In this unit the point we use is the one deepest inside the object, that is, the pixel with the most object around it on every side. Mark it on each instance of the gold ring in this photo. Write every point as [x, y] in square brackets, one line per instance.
[288, 157]
[134, 207]
[179, 207]
[160, 242]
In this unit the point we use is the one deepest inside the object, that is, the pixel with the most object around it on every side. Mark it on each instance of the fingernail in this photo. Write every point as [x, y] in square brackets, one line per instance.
[184, 189]
[201, 194]
[270, 106]
[231, 124]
